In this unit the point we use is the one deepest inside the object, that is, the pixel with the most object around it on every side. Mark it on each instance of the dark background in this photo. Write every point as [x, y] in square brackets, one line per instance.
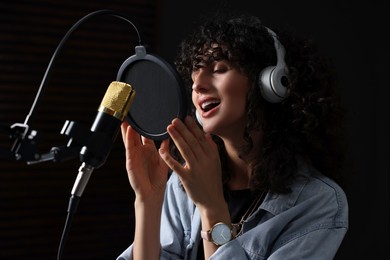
[34, 198]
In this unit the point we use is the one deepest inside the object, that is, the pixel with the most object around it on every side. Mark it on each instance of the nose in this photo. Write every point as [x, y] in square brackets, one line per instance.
[200, 81]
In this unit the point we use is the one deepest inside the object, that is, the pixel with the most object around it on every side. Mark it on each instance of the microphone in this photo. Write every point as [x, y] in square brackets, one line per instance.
[111, 113]
[105, 128]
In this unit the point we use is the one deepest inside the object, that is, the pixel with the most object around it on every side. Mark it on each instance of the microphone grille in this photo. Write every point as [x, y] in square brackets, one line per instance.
[117, 99]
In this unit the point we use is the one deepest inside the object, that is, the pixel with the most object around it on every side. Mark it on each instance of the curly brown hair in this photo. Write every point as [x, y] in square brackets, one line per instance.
[307, 125]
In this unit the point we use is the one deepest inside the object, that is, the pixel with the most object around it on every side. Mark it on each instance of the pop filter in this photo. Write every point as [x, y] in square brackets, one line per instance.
[159, 94]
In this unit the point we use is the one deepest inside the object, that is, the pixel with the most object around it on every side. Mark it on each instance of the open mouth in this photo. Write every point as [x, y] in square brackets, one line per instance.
[208, 105]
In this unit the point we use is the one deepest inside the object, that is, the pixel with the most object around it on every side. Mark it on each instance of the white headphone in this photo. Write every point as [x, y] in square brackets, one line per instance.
[273, 80]
[198, 117]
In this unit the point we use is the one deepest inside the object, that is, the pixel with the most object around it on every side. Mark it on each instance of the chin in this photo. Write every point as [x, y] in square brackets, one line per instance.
[211, 129]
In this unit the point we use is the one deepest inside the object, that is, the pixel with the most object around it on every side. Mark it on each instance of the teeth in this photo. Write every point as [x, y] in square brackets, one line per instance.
[208, 103]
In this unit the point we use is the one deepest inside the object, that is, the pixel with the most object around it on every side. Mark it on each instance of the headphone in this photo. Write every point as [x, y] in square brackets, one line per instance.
[273, 80]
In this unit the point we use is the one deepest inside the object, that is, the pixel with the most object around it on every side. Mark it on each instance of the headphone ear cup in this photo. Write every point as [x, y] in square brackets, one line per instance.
[274, 80]
[198, 118]
[273, 84]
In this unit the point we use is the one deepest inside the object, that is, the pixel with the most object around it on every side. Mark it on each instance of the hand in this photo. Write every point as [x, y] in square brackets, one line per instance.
[146, 170]
[201, 173]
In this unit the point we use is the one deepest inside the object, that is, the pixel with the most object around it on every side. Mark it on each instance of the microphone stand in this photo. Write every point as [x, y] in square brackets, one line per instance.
[73, 130]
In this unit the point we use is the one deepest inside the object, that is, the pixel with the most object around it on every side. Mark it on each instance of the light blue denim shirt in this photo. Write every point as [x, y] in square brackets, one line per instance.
[309, 223]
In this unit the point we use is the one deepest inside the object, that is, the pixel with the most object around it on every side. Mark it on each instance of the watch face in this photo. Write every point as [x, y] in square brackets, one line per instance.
[221, 234]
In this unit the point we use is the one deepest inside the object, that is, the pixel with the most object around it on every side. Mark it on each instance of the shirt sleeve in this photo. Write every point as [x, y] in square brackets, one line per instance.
[176, 223]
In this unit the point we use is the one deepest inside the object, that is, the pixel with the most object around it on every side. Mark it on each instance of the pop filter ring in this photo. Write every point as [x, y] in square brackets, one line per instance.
[160, 95]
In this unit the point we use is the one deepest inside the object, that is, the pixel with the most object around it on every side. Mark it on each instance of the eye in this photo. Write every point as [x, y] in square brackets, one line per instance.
[219, 70]
[220, 67]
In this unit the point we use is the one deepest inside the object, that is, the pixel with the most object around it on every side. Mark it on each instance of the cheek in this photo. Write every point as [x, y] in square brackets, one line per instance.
[194, 98]
[238, 92]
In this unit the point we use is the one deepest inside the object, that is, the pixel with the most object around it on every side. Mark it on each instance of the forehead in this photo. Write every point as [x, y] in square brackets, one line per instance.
[211, 52]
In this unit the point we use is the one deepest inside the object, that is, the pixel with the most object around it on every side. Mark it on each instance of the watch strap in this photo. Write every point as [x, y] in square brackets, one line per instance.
[206, 235]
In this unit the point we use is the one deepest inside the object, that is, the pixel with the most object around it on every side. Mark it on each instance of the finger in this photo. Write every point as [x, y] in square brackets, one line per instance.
[147, 141]
[197, 132]
[165, 144]
[193, 141]
[169, 160]
[177, 134]
[211, 142]
[124, 126]
[132, 137]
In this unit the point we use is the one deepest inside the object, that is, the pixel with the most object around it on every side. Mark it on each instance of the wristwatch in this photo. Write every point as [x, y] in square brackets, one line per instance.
[219, 234]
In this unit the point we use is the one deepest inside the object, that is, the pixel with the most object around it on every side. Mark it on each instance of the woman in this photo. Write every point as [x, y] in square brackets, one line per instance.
[259, 176]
